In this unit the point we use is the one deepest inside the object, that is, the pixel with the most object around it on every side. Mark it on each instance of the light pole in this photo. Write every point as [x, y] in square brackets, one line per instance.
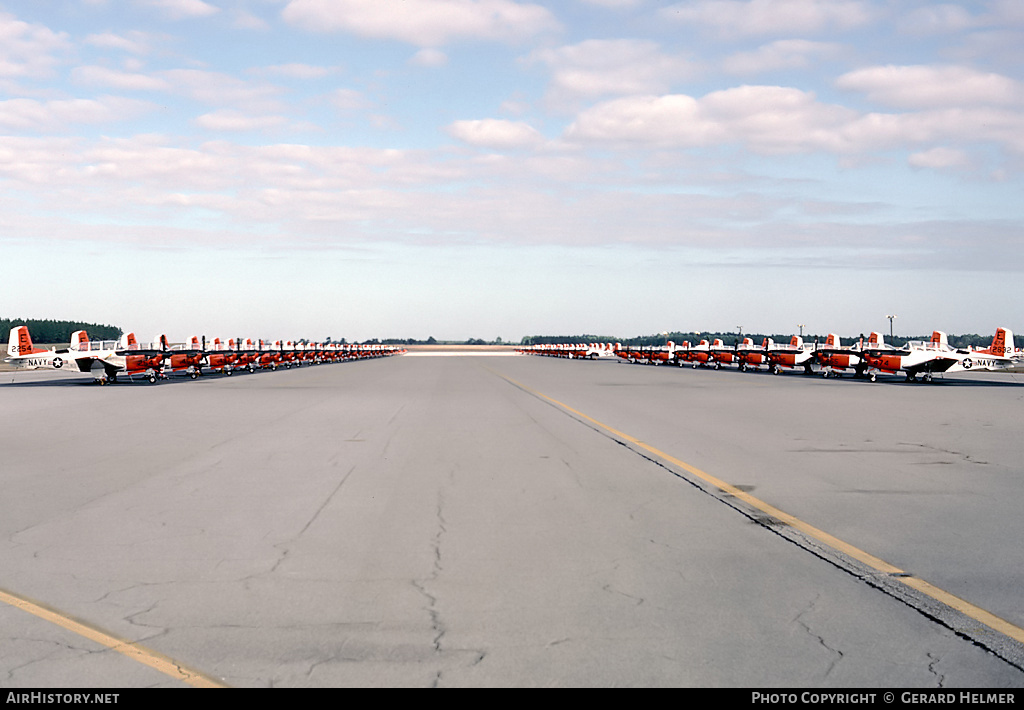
[890, 324]
[801, 326]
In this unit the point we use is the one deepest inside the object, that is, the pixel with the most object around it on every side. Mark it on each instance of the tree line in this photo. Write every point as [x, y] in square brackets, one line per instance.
[57, 331]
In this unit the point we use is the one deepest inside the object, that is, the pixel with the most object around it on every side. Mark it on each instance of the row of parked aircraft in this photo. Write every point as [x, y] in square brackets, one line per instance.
[107, 360]
[917, 359]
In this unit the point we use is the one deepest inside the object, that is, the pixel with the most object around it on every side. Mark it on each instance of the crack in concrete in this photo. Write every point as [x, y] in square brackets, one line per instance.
[933, 663]
[799, 619]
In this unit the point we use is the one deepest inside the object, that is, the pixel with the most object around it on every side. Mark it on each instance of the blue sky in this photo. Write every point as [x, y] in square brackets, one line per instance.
[489, 168]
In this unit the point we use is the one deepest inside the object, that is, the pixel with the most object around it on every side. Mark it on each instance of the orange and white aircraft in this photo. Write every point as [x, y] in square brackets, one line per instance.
[697, 355]
[105, 360]
[751, 356]
[187, 358]
[79, 355]
[137, 359]
[926, 359]
[722, 354]
[794, 355]
[834, 358]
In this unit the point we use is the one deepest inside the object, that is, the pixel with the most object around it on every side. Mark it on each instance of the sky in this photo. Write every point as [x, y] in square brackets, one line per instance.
[358, 169]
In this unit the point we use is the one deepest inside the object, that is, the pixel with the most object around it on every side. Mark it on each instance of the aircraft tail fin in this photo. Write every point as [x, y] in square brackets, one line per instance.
[79, 340]
[20, 342]
[876, 339]
[1002, 343]
[939, 338]
[832, 340]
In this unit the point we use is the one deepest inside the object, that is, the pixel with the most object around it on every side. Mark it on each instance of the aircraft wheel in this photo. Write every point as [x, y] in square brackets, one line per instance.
[872, 377]
[227, 371]
[193, 374]
[152, 379]
[825, 374]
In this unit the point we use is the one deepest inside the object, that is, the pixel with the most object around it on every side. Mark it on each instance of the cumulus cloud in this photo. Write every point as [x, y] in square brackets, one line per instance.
[783, 54]
[768, 119]
[766, 17]
[133, 42]
[297, 70]
[783, 120]
[349, 100]
[35, 116]
[29, 50]
[124, 81]
[496, 133]
[613, 3]
[939, 158]
[234, 121]
[601, 67]
[933, 86]
[219, 89]
[937, 19]
[425, 23]
[429, 58]
[183, 9]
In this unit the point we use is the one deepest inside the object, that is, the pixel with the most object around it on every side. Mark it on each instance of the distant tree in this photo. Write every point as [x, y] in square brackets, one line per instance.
[431, 341]
[57, 331]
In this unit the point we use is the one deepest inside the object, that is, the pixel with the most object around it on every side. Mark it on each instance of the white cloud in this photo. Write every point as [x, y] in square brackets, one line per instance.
[765, 17]
[28, 50]
[783, 54]
[133, 42]
[125, 81]
[219, 89]
[35, 116]
[938, 158]
[937, 19]
[767, 119]
[601, 67]
[297, 70]
[774, 120]
[228, 120]
[496, 133]
[183, 9]
[349, 100]
[613, 3]
[933, 86]
[429, 58]
[425, 23]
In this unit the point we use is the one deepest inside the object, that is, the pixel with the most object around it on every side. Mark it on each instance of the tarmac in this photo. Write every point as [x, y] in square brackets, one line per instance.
[511, 521]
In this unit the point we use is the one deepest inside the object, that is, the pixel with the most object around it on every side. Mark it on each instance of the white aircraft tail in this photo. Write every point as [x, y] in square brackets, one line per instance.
[79, 340]
[20, 342]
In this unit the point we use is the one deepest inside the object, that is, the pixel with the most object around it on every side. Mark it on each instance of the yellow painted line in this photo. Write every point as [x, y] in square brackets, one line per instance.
[964, 607]
[134, 651]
